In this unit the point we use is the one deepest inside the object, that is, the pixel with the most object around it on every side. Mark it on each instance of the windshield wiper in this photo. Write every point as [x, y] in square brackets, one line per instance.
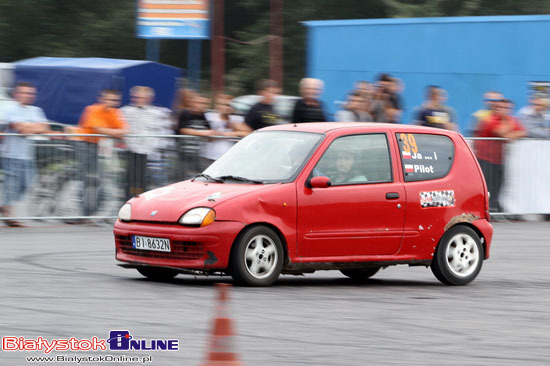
[239, 179]
[209, 177]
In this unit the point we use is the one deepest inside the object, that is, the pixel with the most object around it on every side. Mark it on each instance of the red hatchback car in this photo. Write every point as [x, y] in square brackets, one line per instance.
[294, 199]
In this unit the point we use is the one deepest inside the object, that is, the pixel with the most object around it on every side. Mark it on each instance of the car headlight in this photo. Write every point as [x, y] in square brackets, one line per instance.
[200, 216]
[125, 212]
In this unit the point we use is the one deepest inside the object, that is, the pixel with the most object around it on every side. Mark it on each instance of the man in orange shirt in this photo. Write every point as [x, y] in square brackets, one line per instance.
[102, 118]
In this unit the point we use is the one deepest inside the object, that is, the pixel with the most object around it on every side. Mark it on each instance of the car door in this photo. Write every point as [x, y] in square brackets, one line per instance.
[362, 212]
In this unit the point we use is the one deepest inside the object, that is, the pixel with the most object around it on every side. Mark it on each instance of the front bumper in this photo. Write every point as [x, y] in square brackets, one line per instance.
[206, 248]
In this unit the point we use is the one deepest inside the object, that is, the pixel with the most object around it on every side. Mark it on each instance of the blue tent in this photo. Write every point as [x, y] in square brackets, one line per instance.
[67, 85]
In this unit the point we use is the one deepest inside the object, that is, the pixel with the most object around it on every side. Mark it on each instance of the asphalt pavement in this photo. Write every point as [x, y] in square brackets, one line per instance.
[62, 281]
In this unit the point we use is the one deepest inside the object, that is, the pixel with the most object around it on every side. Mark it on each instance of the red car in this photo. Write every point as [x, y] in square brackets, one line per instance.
[294, 199]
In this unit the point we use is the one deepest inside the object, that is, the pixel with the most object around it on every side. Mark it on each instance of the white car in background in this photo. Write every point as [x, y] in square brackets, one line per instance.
[6, 80]
[284, 105]
[5, 101]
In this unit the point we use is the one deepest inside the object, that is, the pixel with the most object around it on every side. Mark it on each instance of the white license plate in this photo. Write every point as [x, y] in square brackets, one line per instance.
[148, 243]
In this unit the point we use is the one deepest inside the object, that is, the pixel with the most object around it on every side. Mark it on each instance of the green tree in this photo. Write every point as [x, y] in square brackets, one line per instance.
[436, 8]
[100, 28]
[249, 63]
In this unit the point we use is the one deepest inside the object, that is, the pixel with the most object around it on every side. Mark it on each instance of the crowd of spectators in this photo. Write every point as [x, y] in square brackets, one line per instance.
[492, 127]
[212, 127]
[373, 102]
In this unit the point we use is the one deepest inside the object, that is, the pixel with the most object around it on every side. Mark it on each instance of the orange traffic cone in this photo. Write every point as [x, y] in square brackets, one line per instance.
[221, 351]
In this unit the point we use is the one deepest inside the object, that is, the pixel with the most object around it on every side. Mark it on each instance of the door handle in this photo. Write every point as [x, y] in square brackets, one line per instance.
[392, 195]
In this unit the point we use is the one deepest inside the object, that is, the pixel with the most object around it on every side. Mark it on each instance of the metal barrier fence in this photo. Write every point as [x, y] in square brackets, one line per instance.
[516, 173]
[75, 177]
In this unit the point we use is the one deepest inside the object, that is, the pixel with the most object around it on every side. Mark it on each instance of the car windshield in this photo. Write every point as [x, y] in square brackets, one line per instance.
[265, 157]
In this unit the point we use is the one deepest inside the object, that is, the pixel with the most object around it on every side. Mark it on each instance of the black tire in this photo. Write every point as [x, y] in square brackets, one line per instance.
[158, 274]
[360, 274]
[257, 257]
[69, 202]
[92, 197]
[458, 257]
[43, 195]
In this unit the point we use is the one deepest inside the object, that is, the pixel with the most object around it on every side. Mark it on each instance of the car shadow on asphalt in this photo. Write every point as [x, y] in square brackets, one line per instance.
[288, 281]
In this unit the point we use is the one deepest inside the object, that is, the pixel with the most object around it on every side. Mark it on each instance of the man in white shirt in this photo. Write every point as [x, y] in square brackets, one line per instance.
[225, 123]
[536, 118]
[21, 117]
[145, 119]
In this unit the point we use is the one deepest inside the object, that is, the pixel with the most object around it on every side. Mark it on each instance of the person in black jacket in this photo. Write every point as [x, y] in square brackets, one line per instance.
[262, 113]
[309, 108]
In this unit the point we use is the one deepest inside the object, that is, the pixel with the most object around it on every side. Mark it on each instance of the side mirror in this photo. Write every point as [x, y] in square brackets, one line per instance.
[319, 182]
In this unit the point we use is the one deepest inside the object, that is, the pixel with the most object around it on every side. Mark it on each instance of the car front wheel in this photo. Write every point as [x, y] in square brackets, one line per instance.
[458, 257]
[257, 259]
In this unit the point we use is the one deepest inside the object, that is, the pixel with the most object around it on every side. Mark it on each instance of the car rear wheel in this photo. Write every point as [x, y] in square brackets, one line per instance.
[257, 258]
[458, 257]
[360, 274]
[158, 274]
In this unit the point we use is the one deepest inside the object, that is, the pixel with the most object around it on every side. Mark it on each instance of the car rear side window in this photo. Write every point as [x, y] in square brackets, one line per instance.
[425, 156]
[356, 159]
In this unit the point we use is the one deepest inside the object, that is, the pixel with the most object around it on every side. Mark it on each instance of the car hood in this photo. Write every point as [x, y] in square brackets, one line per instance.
[168, 204]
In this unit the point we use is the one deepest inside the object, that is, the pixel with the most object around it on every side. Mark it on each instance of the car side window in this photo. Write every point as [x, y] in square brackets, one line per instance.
[356, 159]
[425, 156]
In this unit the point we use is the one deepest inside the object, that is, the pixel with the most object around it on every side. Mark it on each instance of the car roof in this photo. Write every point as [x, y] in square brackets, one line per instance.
[330, 127]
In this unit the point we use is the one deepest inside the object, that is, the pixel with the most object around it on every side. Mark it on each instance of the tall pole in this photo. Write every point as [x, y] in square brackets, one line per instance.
[276, 43]
[152, 49]
[194, 62]
[217, 46]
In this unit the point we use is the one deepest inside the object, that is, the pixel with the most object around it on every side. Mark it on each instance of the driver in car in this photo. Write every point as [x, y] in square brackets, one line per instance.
[346, 172]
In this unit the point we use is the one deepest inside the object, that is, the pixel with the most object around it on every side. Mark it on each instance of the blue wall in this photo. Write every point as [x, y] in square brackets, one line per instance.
[465, 55]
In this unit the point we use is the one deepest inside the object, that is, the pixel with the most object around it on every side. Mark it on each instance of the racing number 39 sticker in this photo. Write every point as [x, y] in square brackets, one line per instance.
[409, 143]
